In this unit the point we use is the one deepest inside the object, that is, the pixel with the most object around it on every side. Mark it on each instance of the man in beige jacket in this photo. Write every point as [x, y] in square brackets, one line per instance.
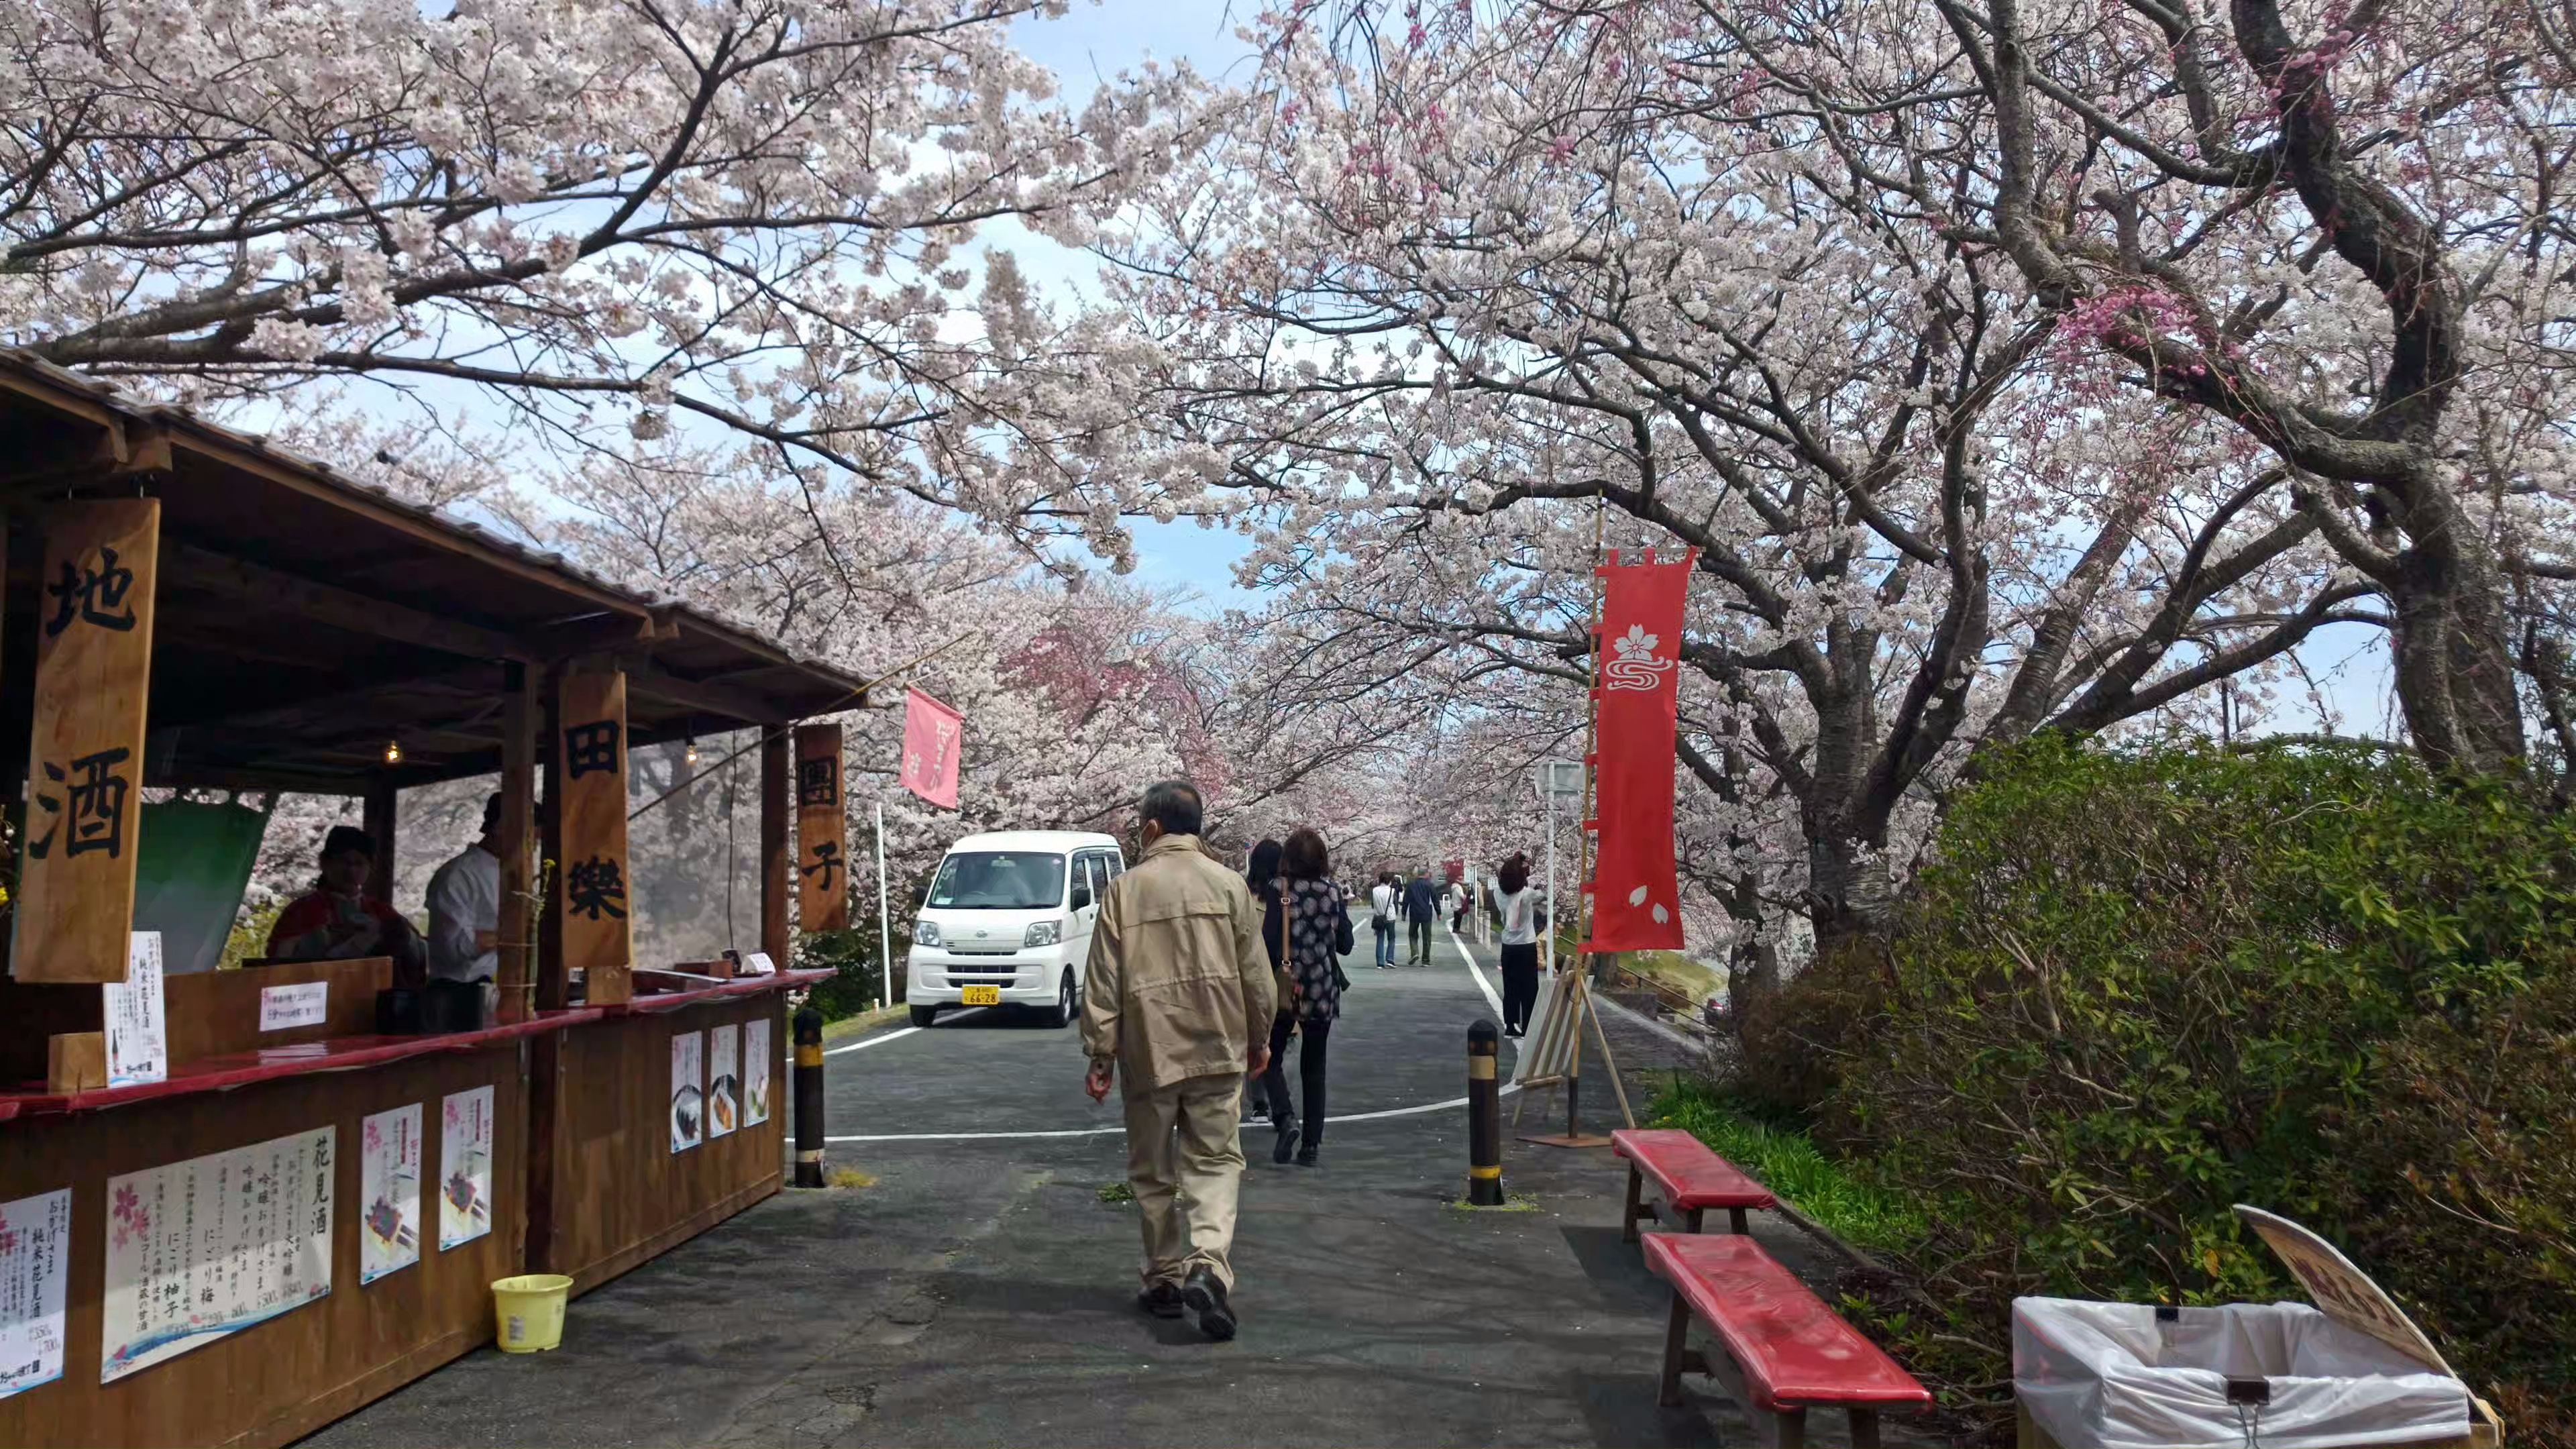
[1179, 1001]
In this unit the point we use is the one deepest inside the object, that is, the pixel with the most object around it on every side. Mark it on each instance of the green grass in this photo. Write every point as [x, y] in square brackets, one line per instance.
[1789, 1163]
[1673, 969]
[1116, 1192]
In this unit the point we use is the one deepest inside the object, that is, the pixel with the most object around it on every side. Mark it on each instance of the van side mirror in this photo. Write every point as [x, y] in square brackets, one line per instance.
[1082, 897]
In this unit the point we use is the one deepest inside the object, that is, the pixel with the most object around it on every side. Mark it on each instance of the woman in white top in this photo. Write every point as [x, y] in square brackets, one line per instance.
[1517, 904]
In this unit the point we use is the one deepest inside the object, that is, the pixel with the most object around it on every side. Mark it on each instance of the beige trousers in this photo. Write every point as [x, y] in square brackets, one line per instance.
[1185, 1161]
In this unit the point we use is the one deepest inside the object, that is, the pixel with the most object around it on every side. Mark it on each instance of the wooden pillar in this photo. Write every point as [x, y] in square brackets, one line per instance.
[774, 859]
[822, 832]
[75, 898]
[554, 981]
[516, 978]
[592, 901]
[380, 821]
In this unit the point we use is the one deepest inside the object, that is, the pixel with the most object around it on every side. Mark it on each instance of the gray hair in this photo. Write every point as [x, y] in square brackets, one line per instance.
[1174, 805]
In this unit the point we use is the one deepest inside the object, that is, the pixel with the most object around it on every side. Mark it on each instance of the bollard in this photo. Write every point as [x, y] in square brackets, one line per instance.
[1484, 1117]
[809, 1097]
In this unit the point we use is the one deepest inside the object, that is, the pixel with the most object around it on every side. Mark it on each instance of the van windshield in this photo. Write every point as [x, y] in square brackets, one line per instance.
[998, 881]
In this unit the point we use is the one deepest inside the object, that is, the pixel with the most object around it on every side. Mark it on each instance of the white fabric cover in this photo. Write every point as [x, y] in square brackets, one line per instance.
[2109, 1376]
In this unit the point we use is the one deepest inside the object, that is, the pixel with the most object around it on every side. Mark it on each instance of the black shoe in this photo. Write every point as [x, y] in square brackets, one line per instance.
[1306, 1158]
[1163, 1300]
[1206, 1298]
[1287, 1139]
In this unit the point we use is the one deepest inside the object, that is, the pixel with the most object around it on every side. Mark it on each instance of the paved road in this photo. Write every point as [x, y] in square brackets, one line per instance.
[979, 1292]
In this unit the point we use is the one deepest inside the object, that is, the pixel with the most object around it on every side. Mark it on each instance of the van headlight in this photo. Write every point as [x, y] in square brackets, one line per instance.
[925, 933]
[1044, 933]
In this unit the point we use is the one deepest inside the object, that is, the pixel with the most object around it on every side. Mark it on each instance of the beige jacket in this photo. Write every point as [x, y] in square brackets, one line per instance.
[1179, 985]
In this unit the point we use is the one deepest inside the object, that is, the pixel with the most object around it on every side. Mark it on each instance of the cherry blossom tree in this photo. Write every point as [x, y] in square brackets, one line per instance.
[613, 219]
[1464, 306]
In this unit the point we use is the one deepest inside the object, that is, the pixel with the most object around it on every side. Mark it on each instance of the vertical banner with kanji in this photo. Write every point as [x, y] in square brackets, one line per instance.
[933, 737]
[75, 894]
[822, 831]
[1636, 905]
[597, 936]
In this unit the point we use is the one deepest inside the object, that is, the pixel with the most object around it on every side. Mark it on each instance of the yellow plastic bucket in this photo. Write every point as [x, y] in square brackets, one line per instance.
[529, 1311]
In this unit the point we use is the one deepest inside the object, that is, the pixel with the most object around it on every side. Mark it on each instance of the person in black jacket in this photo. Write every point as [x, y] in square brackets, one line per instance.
[1421, 908]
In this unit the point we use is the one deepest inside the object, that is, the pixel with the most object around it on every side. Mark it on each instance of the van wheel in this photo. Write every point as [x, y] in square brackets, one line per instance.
[1064, 1007]
[924, 1015]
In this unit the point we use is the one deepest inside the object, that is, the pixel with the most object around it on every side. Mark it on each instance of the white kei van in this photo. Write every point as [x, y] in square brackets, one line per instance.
[1008, 922]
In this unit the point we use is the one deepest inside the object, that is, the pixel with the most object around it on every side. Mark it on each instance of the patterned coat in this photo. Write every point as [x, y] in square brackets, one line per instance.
[1318, 912]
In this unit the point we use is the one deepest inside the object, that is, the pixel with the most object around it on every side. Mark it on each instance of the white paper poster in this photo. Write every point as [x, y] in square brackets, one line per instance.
[688, 1090]
[138, 1044]
[282, 1008]
[755, 1072]
[203, 1248]
[389, 1190]
[724, 1080]
[465, 1165]
[35, 1237]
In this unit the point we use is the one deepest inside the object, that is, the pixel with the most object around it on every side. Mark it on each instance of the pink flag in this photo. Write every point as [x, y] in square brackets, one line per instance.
[932, 736]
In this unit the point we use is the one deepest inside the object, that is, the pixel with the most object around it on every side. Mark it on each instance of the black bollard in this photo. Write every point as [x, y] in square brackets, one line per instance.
[1484, 1117]
[809, 1097]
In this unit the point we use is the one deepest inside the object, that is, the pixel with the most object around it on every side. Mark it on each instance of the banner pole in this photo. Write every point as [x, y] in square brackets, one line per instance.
[885, 928]
[1576, 996]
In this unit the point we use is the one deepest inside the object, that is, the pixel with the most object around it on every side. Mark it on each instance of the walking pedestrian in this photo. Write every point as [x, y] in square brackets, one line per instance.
[1421, 908]
[1517, 904]
[1317, 928]
[1180, 1005]
[1385, 901]
[1261, 873]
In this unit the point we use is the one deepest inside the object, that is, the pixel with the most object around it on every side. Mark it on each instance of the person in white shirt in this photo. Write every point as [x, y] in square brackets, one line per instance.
[1518, 905]
[1459, 900]
[465, 908]
[1383, 901]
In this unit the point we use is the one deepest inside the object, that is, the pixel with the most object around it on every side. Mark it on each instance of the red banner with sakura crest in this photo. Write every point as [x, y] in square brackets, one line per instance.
[1636, 903]
[933, 738]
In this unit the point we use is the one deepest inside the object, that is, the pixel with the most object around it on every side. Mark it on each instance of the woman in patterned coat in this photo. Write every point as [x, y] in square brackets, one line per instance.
[1315, 916]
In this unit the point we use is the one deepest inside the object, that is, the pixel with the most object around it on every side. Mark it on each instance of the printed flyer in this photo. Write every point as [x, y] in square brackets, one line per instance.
[203, 1248]
[389, 1185]
[688, 1090]
[724, 1080]
[35, 1236]
[755, 1072]
[138, 1040]
[465, 1162]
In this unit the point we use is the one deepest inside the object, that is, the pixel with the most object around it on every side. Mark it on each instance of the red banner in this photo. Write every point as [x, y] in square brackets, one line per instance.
[933, 737]
[1636, 905]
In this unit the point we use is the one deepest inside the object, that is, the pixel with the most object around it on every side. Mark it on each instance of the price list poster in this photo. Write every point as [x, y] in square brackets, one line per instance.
[35, 1237]
[212, 1245]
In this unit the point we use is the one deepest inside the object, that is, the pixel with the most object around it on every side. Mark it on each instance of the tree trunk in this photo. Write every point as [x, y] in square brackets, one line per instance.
[2454, 666]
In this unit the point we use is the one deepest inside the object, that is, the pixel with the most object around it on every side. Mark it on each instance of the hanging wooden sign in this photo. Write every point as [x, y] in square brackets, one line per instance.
[822, 831]
[592, 878]
[75, 906]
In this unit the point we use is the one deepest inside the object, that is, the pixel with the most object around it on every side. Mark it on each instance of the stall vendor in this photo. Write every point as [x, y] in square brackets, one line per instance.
[337, 920]
[465, 907]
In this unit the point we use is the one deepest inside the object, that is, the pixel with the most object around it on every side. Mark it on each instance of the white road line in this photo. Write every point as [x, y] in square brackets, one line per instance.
[1477, 972]
[881, 1040]
[1452, 1105]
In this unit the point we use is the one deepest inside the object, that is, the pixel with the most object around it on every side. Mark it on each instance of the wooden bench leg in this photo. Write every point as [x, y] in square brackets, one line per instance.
[1676, 1339]
[1628, 1217]
[1694, 1218]
[1735, 1217]
[1787, 1429]
[1864, 1427]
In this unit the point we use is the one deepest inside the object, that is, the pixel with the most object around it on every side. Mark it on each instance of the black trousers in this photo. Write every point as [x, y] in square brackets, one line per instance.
[1520, 985]
[1422, 941]
[1313, 1038]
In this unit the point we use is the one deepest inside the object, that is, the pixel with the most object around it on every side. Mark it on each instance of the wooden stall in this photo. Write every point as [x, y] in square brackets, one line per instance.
[289, 1214]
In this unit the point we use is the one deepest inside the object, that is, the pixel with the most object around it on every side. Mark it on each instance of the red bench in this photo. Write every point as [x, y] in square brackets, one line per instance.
[1686, 1175]
[1779, 1351]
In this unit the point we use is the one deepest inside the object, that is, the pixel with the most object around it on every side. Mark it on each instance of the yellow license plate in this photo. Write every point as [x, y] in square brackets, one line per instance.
[981, 996]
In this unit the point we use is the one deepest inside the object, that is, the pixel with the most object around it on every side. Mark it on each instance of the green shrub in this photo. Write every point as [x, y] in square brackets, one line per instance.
[2136, 989]
[1797, 1038]
[852, 954]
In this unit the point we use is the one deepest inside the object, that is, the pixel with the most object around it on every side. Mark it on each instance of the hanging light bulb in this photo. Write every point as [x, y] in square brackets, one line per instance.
[393, 752]
[692, 756]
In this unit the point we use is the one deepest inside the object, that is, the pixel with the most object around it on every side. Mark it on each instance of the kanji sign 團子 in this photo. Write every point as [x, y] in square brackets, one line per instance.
[1636, 903]
[822, 831]
[598, 936]
[75, 894]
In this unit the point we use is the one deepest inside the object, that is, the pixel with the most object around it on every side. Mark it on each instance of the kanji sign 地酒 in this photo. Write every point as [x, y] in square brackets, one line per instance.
[591, 892]
[75, 896]
[822, 831]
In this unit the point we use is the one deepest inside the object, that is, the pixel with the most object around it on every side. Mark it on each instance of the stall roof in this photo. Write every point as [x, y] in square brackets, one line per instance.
[305, 618]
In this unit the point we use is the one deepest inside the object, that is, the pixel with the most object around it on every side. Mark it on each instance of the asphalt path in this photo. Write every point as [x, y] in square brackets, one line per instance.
[979, 1290]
